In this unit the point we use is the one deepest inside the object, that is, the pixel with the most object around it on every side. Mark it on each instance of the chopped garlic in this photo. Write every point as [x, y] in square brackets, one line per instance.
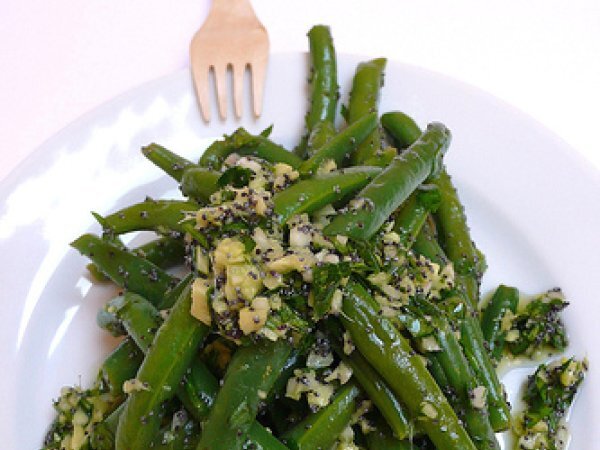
[252, 318]
[428, 410]
[478, 397]
[228, 251]
[200, 306]
[348, 344]
[315, 360]
[342, 372]
[243, 281]
[134, 385]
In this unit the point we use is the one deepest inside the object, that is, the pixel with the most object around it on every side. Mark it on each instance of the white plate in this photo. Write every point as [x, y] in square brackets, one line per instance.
[532, 206]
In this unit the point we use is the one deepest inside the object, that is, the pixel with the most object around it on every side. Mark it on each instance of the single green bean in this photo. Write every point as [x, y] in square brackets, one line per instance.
[323, 86]
[340, 146]
[402, 128]
[109, 322]
[250, 375]
[246, 144]
[320, 430]
[426, 244]
[505, 299]
[382, 438]
[259, 438]
[455, 238]
[414, 212]
[121, 365]
[127, 270]
[183, 433]
[165, 364]
[163, 216]
[320, 135]
[392, 357]
[173, 164]
[307, 196]
[199, 183]
[382, 158]
[364, 99]
[166, 252]
[472, 342]
[388, 190]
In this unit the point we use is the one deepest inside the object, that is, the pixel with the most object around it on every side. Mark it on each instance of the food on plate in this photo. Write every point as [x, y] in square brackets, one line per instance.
[326, 298]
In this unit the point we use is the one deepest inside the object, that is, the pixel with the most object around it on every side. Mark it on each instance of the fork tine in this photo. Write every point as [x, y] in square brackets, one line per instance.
[221, 82]
[258, 70]
[200, 74]
[238, 87]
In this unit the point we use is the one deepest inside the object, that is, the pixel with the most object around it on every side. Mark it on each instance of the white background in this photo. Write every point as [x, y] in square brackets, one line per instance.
[61, 58]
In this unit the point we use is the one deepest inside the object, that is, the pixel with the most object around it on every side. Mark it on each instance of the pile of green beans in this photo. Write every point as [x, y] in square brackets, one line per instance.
[420, 372]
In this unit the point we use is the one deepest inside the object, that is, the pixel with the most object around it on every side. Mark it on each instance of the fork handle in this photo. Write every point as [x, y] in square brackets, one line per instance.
[231, 8]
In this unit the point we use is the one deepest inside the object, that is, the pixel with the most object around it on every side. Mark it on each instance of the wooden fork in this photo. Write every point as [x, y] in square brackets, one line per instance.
[231, 37]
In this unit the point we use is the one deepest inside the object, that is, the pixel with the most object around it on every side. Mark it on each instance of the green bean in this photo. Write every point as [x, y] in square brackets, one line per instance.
[438, 374]
[340, 146]
[307, 196]
[402, 128]
[182, 434]
[380, 394]
[259, 438]
[479, 358]
[124, 361]
[141, 320]
[121, 365]
[320, 135]
[246, 144]
[198, 387]
[382, 158]
[382, 438]
[195, 181]
[250, 376]
[199, 183]
[324, 89]
[94, 270]
[460, 378]
[468, 262]
[364, 99]
[127, 270]
[505, 299]
[164, 366]
[426, 244]
[393, 185]
[162, 216]
[109, 322]
[414, 212]
[471, 339]
[173, 164]
[373, 385]
[324, 95]
[165, 252]
[321, 429]
[391, 356]
[103, 433]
